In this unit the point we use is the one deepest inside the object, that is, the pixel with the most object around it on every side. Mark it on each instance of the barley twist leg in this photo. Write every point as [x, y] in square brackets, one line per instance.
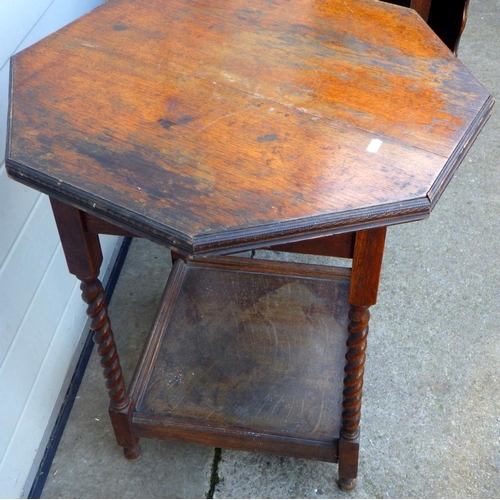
[354, 371]
[353, 385]
[120, 404]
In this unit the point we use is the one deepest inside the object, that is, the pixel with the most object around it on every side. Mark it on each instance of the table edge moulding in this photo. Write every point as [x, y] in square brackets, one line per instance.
[204, 138]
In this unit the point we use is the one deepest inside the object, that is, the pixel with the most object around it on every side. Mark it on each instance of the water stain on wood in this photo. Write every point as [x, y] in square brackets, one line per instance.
[268, 138]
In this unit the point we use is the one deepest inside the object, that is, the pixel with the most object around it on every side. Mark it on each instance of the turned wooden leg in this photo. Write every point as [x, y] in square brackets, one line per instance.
[351, 403]
[84, 258]
[354, 371]
[366, 267]
[120, 405]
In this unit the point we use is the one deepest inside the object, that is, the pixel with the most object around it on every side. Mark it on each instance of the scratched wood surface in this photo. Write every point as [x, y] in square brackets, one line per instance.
[247, 345]
[212, 125]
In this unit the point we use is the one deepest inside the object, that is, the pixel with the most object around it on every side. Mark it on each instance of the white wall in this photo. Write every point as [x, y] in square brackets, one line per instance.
[42, 317]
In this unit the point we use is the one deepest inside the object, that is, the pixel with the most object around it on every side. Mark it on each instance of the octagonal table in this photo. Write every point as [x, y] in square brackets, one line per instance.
[218, 127]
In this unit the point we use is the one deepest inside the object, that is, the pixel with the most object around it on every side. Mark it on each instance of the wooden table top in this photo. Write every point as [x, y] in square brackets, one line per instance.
[222, 125]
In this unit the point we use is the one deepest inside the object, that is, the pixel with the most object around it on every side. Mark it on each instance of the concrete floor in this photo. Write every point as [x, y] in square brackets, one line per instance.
[431, 405]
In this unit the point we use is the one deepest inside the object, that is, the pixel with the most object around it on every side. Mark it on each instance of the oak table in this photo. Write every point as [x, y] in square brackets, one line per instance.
[220, 127]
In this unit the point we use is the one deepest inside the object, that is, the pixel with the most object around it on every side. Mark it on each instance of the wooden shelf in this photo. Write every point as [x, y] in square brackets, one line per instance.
[247, 354]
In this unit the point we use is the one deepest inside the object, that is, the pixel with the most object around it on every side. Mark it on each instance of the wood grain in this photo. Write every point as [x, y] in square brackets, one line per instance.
[246, 347]
[339, 245]
[208, 126]
[367, 266]
[423, 7]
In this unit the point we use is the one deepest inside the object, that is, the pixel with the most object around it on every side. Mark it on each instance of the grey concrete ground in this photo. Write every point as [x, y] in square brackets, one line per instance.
[431, 410]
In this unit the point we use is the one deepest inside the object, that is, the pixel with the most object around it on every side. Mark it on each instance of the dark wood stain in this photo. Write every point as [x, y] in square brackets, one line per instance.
[268, 138]
[250, 356]
[166, 124]
[184, 110]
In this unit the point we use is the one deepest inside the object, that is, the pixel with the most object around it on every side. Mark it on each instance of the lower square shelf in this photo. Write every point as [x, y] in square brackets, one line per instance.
[247, 354]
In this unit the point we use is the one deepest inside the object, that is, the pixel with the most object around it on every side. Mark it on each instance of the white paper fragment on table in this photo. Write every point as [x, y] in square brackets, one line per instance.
[374, 146]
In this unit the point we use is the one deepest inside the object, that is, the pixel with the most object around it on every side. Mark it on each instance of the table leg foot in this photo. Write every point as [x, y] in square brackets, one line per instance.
[346, 484]
[133, 453]
[348, 463]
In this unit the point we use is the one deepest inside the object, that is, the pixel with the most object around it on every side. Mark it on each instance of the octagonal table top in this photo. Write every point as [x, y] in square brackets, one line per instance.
[217, 125]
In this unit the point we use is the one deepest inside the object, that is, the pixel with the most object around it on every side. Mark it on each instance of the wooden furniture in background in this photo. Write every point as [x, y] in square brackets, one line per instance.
[447, 18]
[214, 128]
[423, 7]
